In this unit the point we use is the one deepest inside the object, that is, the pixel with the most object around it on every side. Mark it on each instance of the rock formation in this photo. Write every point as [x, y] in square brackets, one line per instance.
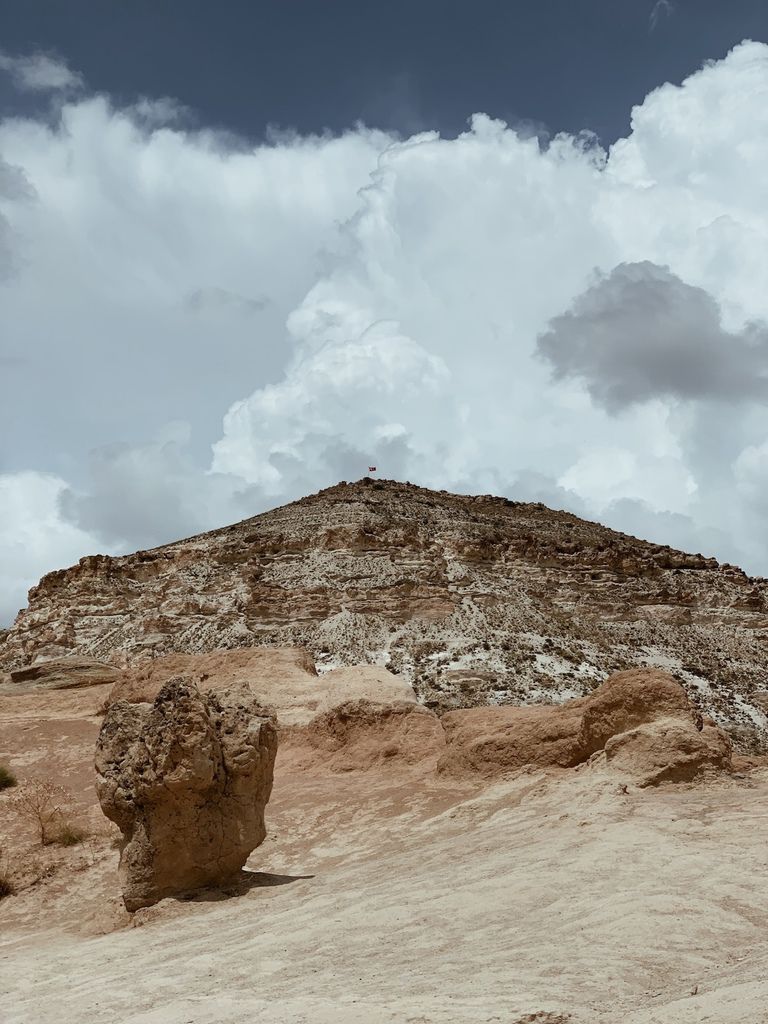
[642, 720]
[186, 779]
[281, 678]
[363, 734]
[668, 750]
[473, 600]
[58, 674]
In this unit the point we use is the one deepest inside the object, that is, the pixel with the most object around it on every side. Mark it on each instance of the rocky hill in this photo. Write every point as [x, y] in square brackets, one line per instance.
[476, 600]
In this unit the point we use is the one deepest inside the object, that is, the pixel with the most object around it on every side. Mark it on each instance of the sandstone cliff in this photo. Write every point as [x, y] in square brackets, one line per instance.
[475, 600]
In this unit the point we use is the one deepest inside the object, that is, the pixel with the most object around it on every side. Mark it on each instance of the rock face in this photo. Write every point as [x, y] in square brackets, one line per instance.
[668, 750]
[473, 600]
[186, 779]
[641, 719]
[60, 674]
[490, 741]
[281, 678]
[362, 734]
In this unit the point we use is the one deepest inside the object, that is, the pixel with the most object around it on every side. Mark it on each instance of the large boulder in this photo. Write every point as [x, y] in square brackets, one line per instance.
[668, 750]
[186, 779]
[631, 698]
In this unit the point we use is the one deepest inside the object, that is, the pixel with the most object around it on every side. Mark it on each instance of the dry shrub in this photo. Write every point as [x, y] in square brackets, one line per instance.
[68, 834]
[7, 778]
[43, 805]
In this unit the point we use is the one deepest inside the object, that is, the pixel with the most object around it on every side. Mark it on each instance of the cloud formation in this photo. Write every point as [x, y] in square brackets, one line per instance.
[40, 72]
[640, 332]
[225, 327]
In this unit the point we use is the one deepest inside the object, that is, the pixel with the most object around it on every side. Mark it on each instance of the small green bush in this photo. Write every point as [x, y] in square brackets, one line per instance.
[7, 778]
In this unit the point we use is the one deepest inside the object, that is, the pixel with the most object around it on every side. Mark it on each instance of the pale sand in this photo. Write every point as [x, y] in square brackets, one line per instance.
[545, 895]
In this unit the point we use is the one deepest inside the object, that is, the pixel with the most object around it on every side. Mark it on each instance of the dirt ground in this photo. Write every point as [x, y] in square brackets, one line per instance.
[391, 896]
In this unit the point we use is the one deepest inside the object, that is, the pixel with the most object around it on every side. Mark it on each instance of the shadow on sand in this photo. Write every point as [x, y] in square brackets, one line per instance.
[240, 885]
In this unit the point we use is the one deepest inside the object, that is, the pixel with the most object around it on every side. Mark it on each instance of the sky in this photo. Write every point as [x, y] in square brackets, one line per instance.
[250, 250]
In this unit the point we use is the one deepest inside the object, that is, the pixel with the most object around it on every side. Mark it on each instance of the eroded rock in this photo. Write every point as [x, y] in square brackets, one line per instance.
[186, 779]
[362, 734]
[668, 750]
[641, 718]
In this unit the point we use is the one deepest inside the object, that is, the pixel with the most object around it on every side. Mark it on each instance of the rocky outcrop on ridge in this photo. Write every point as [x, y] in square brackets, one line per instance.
[186, 779]
[473, 600]
[641, 719]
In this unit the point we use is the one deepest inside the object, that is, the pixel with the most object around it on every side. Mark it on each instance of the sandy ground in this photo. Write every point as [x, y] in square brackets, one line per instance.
[390, 897]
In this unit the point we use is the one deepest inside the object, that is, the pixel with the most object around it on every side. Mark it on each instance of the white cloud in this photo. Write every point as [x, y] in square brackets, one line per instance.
[35, 537]
[314, 306]
[40, 73]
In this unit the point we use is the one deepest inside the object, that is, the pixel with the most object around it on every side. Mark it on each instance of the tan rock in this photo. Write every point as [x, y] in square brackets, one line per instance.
[282, 678]
[186, 779]
[668, 750]
[361, 734]
[63, 674]
[620, 715]
[491, 741]
[627, 699]
[364, 682]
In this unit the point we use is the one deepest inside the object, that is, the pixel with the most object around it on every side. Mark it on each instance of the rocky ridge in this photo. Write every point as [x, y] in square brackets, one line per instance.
[475, 600]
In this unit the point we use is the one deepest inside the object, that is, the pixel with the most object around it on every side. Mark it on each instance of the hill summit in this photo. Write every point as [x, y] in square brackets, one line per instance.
[474, 599]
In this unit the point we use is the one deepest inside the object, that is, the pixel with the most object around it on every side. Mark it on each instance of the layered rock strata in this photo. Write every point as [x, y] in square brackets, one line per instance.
[473, 600]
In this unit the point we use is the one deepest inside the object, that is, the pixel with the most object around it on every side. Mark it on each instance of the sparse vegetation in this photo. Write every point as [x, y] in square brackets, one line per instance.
[69, 835]
[43, 804]
[7, 778]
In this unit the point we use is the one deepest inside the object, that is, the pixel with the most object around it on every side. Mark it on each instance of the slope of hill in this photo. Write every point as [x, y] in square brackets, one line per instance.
[476, 600]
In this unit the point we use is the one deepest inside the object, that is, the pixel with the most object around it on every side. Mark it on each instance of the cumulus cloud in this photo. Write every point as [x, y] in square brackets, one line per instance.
[40, 72]
[640, 332]
[311, 306]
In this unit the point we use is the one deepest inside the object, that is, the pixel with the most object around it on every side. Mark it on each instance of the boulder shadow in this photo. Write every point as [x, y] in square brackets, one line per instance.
[240, 885]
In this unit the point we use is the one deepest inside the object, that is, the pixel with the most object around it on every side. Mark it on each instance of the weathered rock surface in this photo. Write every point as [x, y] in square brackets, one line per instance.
[473, 600]
[186, 779]
[364, 682]
[631, 698]
[642, 719]
[281, 678]
[361, 734]
[491, 741]
[59, 674]
[668, 750]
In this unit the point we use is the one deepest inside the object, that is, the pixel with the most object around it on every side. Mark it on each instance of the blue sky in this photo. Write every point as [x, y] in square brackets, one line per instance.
[564, 65]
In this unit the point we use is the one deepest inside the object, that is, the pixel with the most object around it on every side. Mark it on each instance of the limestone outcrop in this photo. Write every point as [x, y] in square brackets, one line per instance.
[473, 600]
[186, 779]
[363, 734]
[642, 720]
[59, 674]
